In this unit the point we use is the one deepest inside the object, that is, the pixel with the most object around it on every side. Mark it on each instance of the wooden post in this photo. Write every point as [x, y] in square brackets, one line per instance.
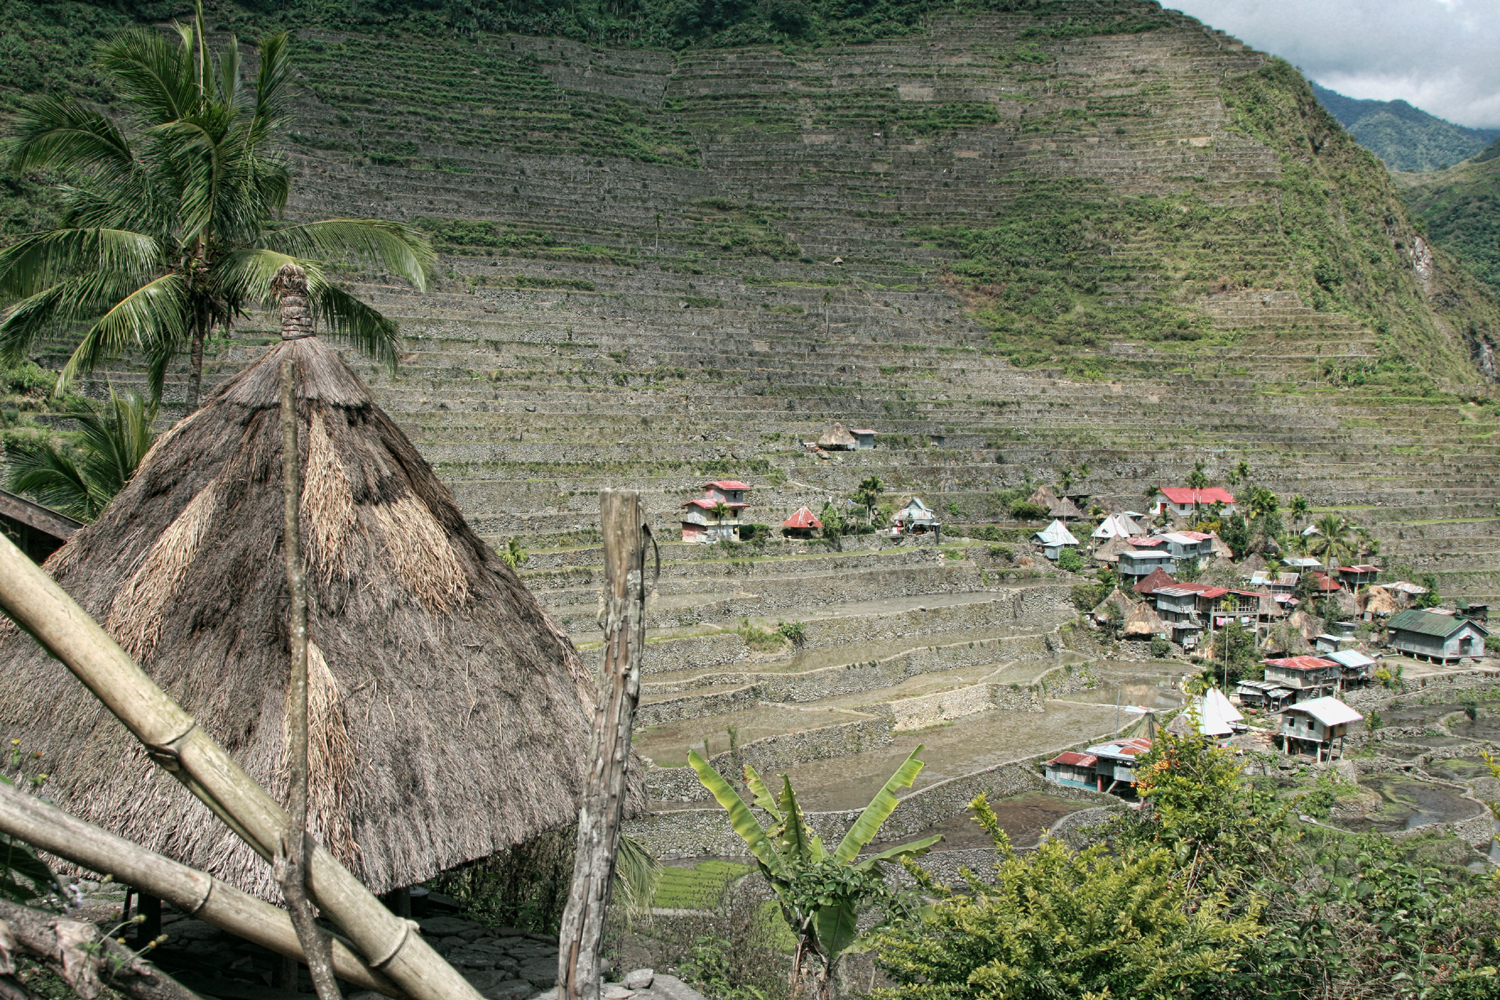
[290, 860]
[176, 742]
[601, 815]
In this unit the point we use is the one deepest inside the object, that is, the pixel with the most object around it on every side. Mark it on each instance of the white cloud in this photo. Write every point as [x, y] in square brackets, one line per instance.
[1436, 54]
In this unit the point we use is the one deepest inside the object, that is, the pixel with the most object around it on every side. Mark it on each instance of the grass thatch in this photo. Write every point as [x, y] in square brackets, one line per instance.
[450, 714]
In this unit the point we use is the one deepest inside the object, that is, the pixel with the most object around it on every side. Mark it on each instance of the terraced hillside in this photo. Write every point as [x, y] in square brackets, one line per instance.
[1088, 236]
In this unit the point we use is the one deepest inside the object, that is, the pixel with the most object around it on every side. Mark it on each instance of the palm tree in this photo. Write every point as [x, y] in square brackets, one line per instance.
[1334, 542]
[867, 495]
[170, 226]
[720, 511]
[1298, 507]
[80, 481]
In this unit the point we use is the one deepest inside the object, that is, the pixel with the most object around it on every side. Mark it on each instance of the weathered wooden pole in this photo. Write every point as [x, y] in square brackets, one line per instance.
[33, 821]
[290, 861]
[176, 742]
[602, 813]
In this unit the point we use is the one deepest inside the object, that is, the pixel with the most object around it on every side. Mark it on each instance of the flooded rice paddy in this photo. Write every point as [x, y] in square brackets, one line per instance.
[1408, 804]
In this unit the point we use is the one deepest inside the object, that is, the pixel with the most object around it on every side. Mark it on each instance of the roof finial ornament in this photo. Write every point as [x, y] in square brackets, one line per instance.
[290, 286]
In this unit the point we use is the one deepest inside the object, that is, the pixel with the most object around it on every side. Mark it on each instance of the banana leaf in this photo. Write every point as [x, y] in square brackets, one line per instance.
[741, 818]
[799, 845]
[915, 849]
[836, 927]
[763, 797]
[879, 810]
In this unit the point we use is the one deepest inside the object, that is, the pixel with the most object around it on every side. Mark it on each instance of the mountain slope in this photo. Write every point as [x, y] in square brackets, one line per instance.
[1066, 234]
[1460, 207]
[1404, 137]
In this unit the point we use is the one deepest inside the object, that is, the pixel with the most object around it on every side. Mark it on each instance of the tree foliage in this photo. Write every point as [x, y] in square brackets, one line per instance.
[170, 212]
[80, 479]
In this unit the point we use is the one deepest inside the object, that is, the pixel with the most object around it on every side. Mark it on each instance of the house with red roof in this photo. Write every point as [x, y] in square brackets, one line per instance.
[1073, 769]
[1158, 578]
[1308, 676]
[1359, 575]
[801, 524]
[1182, 501]
[715, 516]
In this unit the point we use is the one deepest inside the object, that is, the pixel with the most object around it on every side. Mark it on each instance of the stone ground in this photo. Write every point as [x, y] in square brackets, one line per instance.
[502, 963]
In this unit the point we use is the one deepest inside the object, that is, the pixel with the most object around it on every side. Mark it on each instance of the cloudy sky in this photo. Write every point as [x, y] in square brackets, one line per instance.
[1441, 55]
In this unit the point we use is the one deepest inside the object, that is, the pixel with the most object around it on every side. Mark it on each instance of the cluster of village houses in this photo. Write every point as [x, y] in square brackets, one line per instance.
[1301, 684]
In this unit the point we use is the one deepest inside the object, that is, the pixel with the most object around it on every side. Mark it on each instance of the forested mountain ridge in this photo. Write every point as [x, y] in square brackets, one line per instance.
[1044, 235]
[1404, 137]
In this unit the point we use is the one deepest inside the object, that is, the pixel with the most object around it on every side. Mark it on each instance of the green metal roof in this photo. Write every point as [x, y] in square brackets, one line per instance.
[1428, 623]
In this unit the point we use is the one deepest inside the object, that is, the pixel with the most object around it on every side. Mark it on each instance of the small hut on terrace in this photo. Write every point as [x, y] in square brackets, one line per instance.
[1066, 510]
[1143, 622]
[1114, 608]
[450, 715]
[801, 524]
[1110, 551]
[837, 438]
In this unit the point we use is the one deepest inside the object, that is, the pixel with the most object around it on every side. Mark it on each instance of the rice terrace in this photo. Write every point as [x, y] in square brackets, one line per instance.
[740, 500]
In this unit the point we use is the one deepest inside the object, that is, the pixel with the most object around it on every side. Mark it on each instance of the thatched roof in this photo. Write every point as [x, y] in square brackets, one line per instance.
[1067, 510]
[450, 714]
[1143, 621]
[1043, 497]
[837, 438]
[1110, 551]
[1116, 605]
[1379, 601]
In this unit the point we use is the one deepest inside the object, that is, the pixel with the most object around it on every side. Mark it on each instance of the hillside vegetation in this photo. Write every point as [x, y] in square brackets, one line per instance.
[1404, 137]
[1067, 234]
[1460, 208]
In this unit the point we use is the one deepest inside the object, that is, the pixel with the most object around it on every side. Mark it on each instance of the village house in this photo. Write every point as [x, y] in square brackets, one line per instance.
[1279, 584]
[715, 516]
[915, 518]
[1117, 762]
[1116, 526]
[1184, 501]
[1303, 564]
[1437, 638]
[864, 438]
[1267, 695]
[1359, 575]
[1189, 544]
[1311, 727]
[1145, 556]
[1474, 612]
[1308, 676]
[802, 524]
[1226, 604]
[1178, 607]
[837, 438]
[1153, 582]
[1355, 668]
[1074, 769]
[1054, 538]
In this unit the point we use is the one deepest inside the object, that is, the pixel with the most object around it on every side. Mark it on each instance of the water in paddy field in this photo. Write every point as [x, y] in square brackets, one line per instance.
[1485, 727]
[951, 750]
[1409, 804]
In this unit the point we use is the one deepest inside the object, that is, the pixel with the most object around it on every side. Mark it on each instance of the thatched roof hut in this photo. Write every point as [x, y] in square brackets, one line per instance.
[1116, 607]
[1110, 551]
[1379, 601]
[1066, 510]
[837, 438]
[1143, 622]
[450, 714]
[1043, 497]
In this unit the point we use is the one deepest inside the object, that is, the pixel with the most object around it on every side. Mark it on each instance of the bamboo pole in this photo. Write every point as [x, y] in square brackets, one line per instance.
[176, 742]
[602, 814]
[44, 826]
[291, 855]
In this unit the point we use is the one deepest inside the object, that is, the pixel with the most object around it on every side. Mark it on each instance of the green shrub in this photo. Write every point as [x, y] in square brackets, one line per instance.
[1160, 648]
[793, 632]
[1025, 510]
[1069, 560]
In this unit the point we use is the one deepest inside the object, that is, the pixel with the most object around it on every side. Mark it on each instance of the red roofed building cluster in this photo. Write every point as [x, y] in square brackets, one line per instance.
[715, 516]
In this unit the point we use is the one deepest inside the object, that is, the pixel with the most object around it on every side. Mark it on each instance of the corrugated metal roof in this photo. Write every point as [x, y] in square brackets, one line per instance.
[1145, 543]
[1075, 758]
[1327, 710]
[1351, 658]
[728, 484]
[803, 518]
[1302, 663]
[1429, 623]
[1182, 495]
[1359, 568]
[708, 504]
[1212, 592]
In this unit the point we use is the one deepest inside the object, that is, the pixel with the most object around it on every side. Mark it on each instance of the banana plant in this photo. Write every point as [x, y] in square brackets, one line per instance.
[822, 895]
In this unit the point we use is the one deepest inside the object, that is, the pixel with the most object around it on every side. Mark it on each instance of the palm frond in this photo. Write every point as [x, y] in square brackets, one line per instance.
[148, 318]
[270, 101]
[229, 72]
[344, 317]
[636, 875]
[79, 299]
[38, 261]
[153, 74]
[245, 275]
[47, 133]
[51, 475]
[395, 246]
